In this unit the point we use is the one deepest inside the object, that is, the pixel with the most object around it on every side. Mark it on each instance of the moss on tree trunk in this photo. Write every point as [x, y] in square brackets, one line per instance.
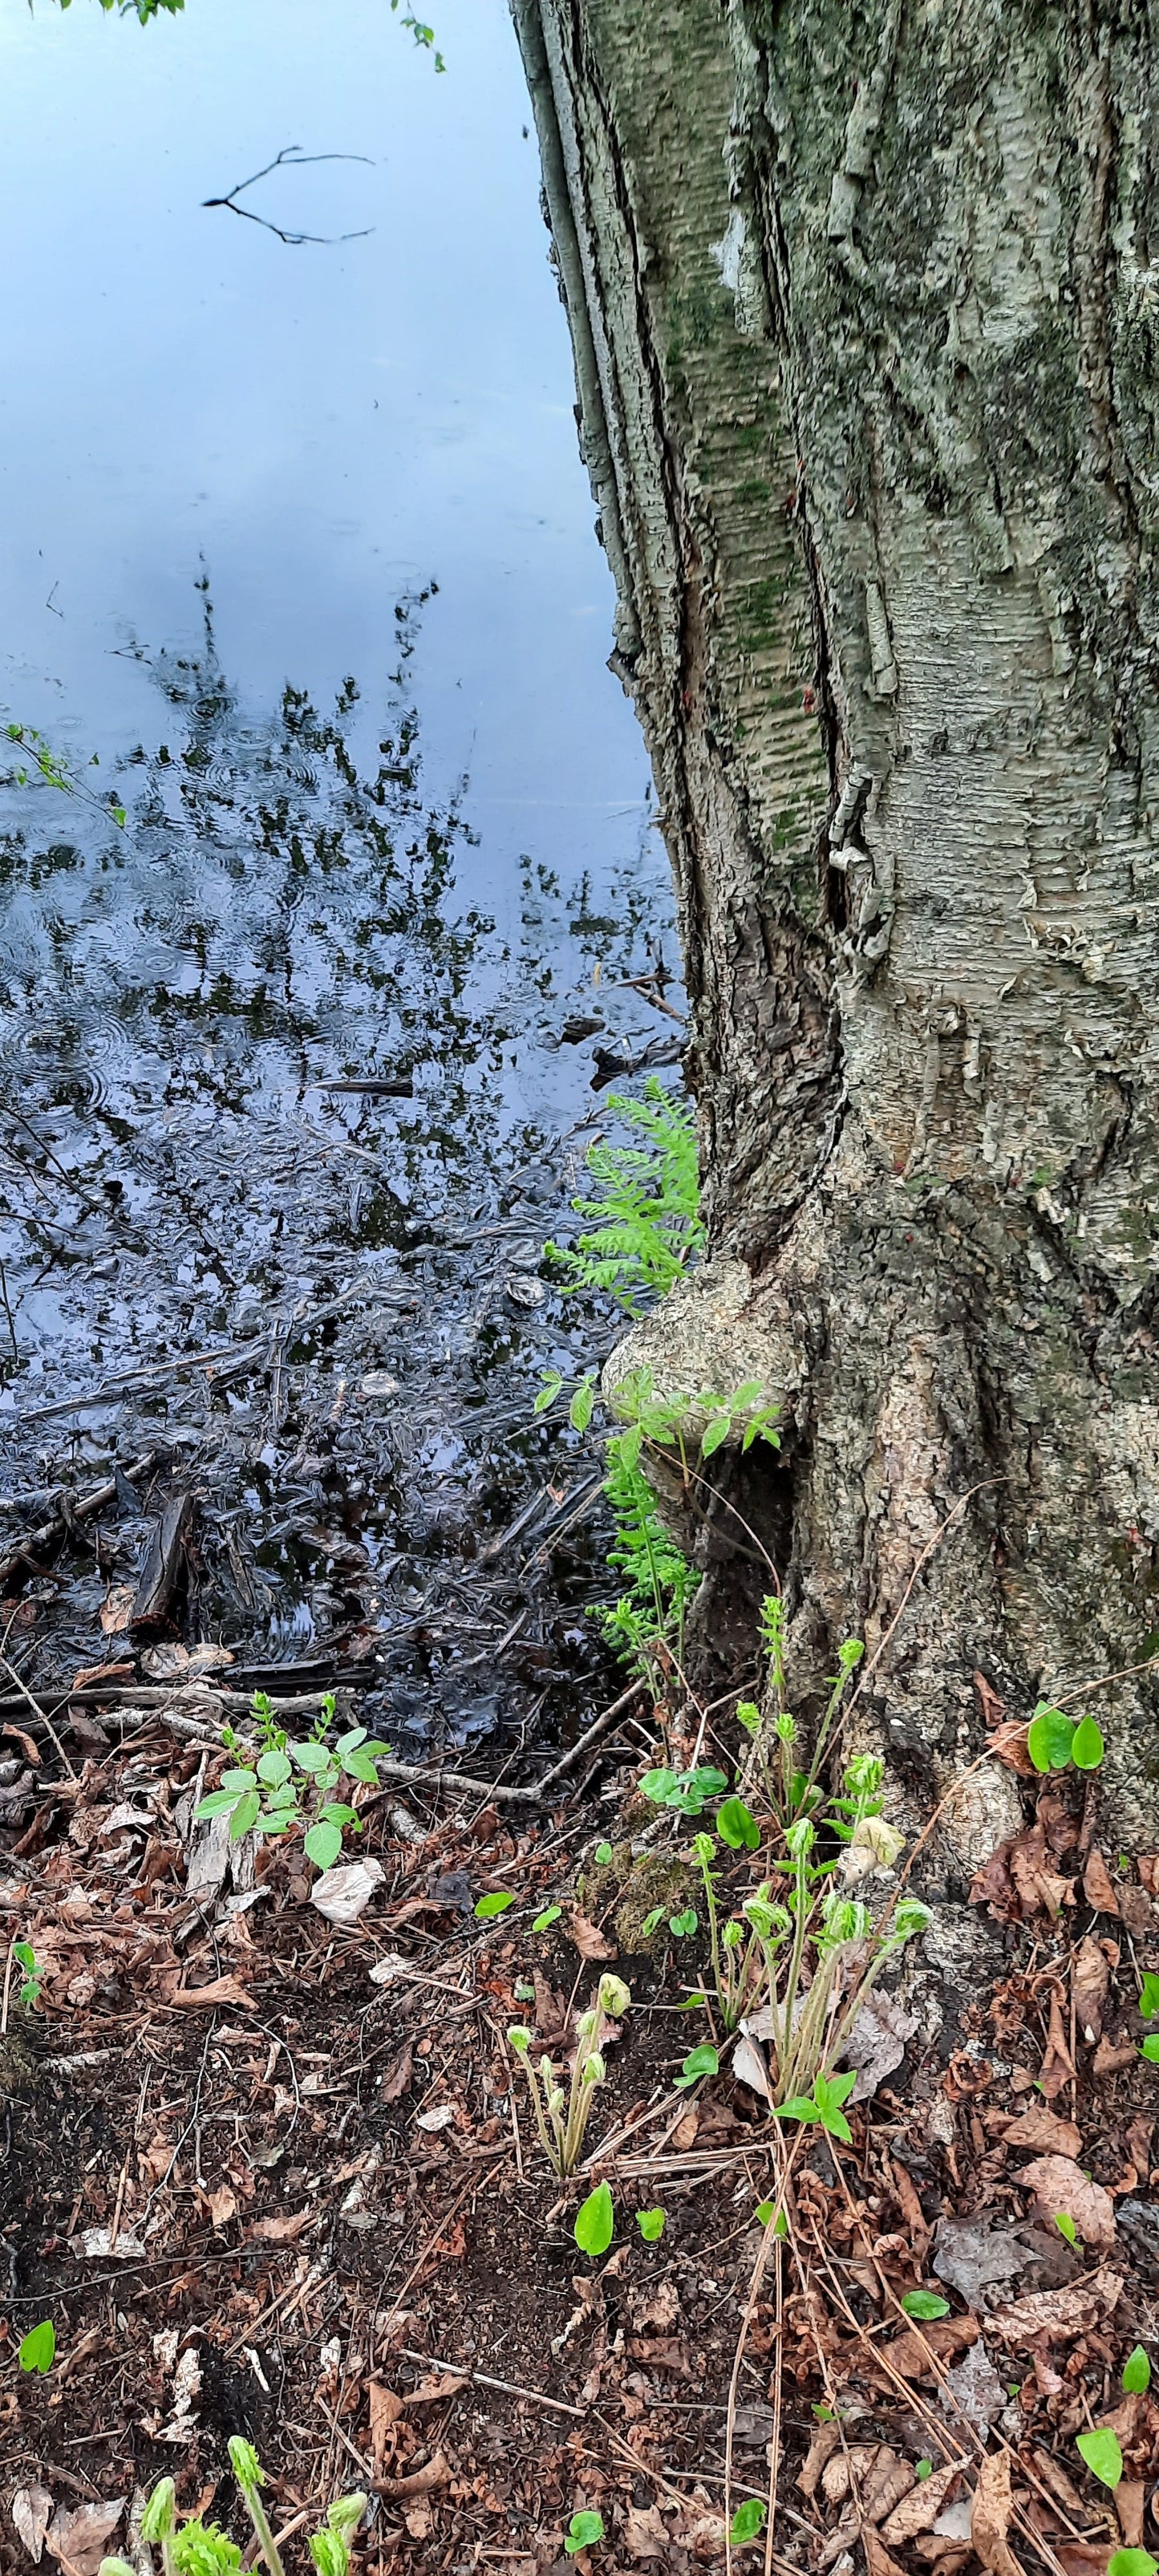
[865, 307]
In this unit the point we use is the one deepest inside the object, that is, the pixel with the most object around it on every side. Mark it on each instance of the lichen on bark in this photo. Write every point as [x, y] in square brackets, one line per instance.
[865, 308]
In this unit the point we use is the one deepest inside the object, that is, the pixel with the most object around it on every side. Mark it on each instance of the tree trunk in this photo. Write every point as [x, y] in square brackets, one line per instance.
[864, 305]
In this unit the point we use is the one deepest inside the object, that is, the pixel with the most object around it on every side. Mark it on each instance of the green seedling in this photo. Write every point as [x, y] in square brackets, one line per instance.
[1136, 2373]
[686, 1793]
[925, 2305]
[1066, 2226]
[737, 1826]
[923, 2469]
[1150, 2050]
[651, 2225]
[1102, 2455]
[823, 2104]
[699, 2062]
[1055, 1742]
[32, 1975]
[736, 1952]
[603, 1855]
[202, 2549]
[561, 2118]
[550, 1915]
[1132, 2562]
[1149, 1999]
[497, 1903]
[37, 2350]
[583, 2531]
[748, 2522]
[595, 2222]
[275, 1790]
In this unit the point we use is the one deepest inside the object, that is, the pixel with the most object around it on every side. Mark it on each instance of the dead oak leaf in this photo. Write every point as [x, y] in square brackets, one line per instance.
[1061, 2189]
[1056, 2316]
[1058, 2065]
[31, 2514]
[1090, 1981]
[645, 2533]
[990, 2521]
[1042, 2127]
[436, 2473]
[919, 2510]
[77, 2534]
[1097, 1887]
[588, 1938]
[877, 2557]
[224, 1990]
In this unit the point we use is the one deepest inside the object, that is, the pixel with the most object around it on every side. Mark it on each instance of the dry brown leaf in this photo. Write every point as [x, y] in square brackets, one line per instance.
[990, 2521]
[444, 2383]
[589, 1940]
[917, 2224]
[343, 1893]
[1090, 1979]
[1148, 1868]
[1041, 2127]
[1057, 2066]
[1083, 2557]
[1097, 1887]
[911, 2353]
[1009, 1742]
[823, 2442]
[939, 2551]
[1061, 2189]
[224, 1990]
[877, 2557]
[1113, 2054]
[1138, 2134]
[1056, 2315]
[221, 2204]
[385, 2412]
[684, 2133]
[645, 2533]
[889, 2481]
[281, 2228]
[31, 2514]
[847, 2471]
[1130, 2500]
[117, 1610]
[77, 2534]
[919, 2510]
[422, 2481]
[398, 2074]
[16, 1735]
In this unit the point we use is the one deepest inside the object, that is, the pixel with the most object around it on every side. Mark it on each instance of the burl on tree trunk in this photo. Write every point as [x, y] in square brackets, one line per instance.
[865, 304]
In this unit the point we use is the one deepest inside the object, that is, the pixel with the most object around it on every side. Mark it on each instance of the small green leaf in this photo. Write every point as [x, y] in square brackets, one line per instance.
[552, 1387]
[1049, 1739]
[737, 1827]
[923, 2468]
[748, 2522]
[603, 1854]
[1136, 2372]
[312, 1757]
[38, 2347]
[322, 1845]
[683, 1924]
[658, 1786]
[802, 2107]
[580, 1409]
[1101, 2452]
[496, 1903]
[220, 1802]
[238, 1780]
[595, 2221]
[1149, 1999]
[550, 1914]
[1087, 1746]
[699, 2061]
[583, 2531]
[1132, 2562]
[245, 1814]
[650, 1923]
[925, 2304]
[692, 2003]
[715, 1434]
[651, 2225]
[1150, 2050]
[1066, 2226]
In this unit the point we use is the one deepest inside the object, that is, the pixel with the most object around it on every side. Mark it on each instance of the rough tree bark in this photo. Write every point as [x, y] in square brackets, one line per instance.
[865, 305]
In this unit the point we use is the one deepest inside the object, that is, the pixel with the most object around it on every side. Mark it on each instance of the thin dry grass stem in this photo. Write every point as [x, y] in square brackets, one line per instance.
[1127, 1673]
[750, 2309]
[775, 2444]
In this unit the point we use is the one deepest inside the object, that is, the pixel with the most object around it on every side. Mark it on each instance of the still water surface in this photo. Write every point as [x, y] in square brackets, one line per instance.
[298, 567]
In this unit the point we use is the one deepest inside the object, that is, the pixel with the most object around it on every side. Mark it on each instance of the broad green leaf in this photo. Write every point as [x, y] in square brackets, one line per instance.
[1101, 2452]
[1132, 2562]
[1150, 2050]
[583, 2531]
[336, 1813]
[603, 1854]
[552, 1387]
[925, 2304]
[737, 1826]
[237, 1780]
[651, 2225]
[802, 2107]
[244, 1816]
[748, 2522]
[274, 1768]
[594, 2222]
[581, 1406]
[496, 1903]
[699, 2061]
[715, 1434]
[650, 1923]
[322, 1845]
[1136, 2372]
[311, 1757]
[1066, 2226]
[349, 1743]
[1149, 1999]
[550, 1914]
[38, 2347]
[658, 1786]
[923, 2468]
[683, 1924]
[1049, 1739]
[1087, 1747]
[218, 1803]
[361, 1766]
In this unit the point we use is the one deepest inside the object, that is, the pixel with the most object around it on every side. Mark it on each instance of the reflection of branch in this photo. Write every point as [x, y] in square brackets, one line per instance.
[293, 155]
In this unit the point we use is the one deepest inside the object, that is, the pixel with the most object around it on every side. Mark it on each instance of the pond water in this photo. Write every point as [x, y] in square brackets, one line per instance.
[300, 578]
